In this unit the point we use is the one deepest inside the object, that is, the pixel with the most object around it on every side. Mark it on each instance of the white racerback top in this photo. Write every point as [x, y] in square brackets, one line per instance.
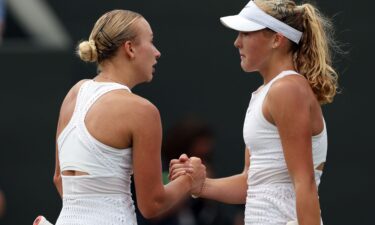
[270, 190]
[94, 198]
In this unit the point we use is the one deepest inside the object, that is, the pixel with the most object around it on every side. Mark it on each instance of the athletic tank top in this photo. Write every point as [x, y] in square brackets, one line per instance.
[103, 197]
[271, 197]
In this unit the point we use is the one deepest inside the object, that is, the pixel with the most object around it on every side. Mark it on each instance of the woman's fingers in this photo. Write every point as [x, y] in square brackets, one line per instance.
[183, 158]
[177, 168]
[177, 174]
[181, 166]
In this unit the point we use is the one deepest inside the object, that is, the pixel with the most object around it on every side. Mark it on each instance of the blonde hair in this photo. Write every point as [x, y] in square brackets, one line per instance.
[312, 56]
[109, 32]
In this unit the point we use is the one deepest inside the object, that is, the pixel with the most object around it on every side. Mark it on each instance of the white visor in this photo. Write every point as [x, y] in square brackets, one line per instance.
[252, 18]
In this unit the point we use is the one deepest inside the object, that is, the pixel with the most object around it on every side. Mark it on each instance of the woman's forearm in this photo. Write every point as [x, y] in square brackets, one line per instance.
[176, 190]
[230, 190]
[307, 203]
[165, 198]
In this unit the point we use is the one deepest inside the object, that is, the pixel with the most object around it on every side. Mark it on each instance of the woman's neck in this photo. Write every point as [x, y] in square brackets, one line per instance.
[275, 67]
[121, 75]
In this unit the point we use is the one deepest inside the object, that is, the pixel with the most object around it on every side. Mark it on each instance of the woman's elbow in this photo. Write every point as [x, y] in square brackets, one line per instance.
[150, 209]
[147, 214]
[57, 180]
[306, 184]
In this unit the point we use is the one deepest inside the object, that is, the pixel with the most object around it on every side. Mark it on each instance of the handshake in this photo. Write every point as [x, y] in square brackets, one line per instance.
[192, 167]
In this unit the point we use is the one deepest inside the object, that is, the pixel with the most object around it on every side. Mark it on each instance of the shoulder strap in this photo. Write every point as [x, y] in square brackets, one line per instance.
[99, 93]
[72, 123]
[85, 135]
[279, 76]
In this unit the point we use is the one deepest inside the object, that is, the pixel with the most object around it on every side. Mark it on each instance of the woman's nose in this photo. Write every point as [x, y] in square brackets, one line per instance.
[237, 41]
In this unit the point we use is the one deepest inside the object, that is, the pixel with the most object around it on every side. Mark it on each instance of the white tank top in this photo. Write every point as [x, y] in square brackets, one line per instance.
[270, 190]
[109, 168]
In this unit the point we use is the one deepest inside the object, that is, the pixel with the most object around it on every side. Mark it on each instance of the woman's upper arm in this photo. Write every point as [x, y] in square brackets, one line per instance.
[146, 137]
[289, 105]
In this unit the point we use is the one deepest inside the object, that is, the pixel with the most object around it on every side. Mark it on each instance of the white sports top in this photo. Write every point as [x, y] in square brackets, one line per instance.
[104, 196]
[271, 197]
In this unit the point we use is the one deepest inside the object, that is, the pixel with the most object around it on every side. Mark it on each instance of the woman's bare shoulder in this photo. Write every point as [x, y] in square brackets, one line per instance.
[291, 87]
[290, 92]
[132, 104]
[138, 112]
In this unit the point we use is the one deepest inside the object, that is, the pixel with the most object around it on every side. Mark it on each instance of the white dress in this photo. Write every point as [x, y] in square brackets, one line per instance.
[271, 197]
[103, 197]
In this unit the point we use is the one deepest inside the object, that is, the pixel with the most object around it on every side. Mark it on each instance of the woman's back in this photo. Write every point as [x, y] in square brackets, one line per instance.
[95, 175]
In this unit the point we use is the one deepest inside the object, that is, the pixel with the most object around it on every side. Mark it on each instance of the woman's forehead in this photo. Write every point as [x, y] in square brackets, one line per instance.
[143, 27]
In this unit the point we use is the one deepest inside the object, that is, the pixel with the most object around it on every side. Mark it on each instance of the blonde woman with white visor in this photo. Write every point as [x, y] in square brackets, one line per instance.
[284, 129]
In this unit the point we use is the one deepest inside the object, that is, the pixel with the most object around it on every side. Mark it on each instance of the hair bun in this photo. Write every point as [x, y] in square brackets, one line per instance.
[87, 51]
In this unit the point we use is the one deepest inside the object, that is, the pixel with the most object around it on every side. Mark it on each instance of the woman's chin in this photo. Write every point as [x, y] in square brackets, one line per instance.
[247, 68]
[149, 78]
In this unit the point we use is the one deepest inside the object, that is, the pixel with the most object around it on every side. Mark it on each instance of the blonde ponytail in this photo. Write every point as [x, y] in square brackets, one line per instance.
[313, 56]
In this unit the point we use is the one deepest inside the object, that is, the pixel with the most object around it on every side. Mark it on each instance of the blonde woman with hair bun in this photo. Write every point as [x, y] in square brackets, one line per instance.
[106, 133]
[284, 129]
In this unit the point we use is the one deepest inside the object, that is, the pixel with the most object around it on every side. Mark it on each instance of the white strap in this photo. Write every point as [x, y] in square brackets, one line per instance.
[253, 13]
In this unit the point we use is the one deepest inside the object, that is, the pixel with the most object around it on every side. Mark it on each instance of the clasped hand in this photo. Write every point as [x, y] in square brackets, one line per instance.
[192, 167]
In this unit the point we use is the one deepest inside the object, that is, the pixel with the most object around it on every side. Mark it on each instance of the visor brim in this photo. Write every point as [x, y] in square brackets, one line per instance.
[239, 23]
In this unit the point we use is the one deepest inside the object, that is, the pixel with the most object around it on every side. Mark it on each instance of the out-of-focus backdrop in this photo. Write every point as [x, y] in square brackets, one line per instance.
[197, 75]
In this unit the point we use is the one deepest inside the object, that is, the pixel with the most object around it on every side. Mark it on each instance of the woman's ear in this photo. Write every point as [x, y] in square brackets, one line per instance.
[129, 49]
[278, 40]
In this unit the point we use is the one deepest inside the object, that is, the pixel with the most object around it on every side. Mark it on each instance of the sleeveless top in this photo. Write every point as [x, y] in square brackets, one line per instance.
[270, 195]
[103, 196]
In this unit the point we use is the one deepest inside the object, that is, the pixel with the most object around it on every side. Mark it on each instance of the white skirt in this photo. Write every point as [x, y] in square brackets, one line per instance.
[270, 205]
[97, 210]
